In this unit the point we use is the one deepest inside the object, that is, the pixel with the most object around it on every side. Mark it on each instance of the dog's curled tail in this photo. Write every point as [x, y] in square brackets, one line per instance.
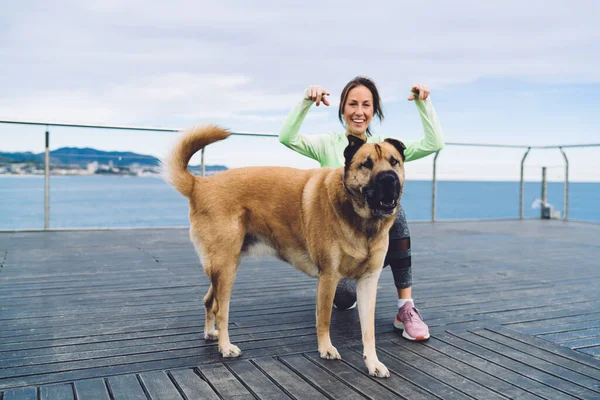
[176, 164]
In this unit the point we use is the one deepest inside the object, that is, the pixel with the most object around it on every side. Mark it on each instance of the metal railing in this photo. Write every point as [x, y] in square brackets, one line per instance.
[522, 181]
[47, 125]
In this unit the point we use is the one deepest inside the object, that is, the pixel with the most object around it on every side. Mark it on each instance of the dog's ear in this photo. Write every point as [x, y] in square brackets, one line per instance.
[398, 145]
[354, 144]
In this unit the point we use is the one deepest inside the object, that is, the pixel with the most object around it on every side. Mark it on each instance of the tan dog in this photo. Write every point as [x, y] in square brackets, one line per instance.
[328, 223]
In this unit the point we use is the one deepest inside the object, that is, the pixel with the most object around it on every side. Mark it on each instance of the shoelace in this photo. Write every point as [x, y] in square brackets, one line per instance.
[411, 314]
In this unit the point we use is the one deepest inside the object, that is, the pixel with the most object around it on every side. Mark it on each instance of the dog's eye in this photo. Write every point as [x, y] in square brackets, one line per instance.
[394, 162]
[367, 164]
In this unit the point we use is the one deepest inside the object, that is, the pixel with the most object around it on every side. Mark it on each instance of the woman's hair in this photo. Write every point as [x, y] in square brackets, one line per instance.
[369, 84]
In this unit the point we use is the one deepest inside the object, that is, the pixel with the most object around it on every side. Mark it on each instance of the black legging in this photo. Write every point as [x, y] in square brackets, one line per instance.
[398, 255]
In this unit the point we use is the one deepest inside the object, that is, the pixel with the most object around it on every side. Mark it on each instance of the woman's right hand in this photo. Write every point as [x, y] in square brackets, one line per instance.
[318, 94]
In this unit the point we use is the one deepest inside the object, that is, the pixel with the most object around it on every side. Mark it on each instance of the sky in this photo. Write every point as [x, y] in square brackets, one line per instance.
[510, 72]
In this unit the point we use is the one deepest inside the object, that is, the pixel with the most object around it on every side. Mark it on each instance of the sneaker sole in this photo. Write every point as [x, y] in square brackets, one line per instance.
[399, 325]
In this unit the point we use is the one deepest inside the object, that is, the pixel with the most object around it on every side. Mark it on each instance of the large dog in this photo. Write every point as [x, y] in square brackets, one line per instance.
[328, 223]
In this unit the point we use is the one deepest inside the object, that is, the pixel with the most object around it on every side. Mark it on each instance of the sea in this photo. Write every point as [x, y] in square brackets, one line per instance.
[137, 202]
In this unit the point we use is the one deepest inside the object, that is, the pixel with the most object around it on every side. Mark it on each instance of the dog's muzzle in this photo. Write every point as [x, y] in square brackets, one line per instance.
[383, 194]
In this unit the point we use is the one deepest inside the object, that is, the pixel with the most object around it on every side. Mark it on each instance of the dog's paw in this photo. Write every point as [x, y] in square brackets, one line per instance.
[376, 368]
[330, 353]
[230, 351]
[211, 335]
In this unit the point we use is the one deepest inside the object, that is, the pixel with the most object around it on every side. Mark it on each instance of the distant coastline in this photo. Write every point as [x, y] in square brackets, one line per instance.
[70, 161]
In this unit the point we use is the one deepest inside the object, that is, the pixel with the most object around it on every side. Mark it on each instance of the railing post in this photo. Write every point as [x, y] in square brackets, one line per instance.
[522, 186]
[202, 171]
[544, 191]
[434, 186]
[566, 195]
[47, 182]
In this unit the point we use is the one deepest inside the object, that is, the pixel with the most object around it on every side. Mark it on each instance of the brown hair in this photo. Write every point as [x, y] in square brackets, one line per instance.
[369, 84]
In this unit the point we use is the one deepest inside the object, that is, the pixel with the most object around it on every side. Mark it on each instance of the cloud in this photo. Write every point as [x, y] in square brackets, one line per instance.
[175, 96]
[245, 64]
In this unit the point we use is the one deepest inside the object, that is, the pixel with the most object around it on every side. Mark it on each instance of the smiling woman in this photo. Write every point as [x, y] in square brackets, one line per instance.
[359, 103]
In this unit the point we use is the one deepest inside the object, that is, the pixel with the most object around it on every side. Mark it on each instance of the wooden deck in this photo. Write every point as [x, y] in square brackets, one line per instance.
[514, 309]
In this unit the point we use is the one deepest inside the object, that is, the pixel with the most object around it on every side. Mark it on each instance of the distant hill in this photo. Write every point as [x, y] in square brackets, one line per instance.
[82, 157]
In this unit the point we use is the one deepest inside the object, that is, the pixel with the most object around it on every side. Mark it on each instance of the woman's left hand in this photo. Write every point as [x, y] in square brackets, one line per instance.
[419, 92]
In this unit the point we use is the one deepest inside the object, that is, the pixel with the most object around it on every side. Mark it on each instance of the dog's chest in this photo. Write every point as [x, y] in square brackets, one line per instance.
[358, 260]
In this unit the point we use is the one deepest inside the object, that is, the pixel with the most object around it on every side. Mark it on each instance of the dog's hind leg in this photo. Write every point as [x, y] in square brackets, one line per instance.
[221, 267]
[211, 305]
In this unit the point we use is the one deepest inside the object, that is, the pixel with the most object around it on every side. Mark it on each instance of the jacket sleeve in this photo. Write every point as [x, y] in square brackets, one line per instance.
[433, 139]
[290, 136]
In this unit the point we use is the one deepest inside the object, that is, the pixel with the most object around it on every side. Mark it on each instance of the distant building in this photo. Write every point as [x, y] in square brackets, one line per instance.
[92, 167]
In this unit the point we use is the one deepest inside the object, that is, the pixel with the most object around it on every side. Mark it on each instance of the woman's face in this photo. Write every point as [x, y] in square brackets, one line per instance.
[358, 111]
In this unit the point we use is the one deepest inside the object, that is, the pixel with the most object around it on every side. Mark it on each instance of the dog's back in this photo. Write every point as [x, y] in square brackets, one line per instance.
[245, 210]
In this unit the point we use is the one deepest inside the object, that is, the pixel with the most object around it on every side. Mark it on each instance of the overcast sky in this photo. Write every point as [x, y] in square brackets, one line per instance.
[510, 72]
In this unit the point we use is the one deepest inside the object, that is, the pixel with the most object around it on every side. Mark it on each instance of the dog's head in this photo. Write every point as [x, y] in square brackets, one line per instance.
[374, 174]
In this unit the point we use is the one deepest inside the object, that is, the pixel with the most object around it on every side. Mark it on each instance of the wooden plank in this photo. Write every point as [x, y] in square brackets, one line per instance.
[224, 382]
[57, 392]
[579, 344]
[402, 386]
[546, 355]
[126, 387]
[27, 393]
[158, 386]
[440, 359]
[492, 364]
[357, 379]
[578, 333]
[414, 375]
[86, 373]
[257, 382]
[439, 372]
[543, 360]
[291, 383]
[321, 378]
[532, 367]
[88, 357]
[192, 386]
[543, 344]
[557, 324]
[92, 389]
[593, 351]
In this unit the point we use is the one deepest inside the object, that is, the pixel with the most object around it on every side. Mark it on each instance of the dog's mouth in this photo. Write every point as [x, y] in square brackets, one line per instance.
[385, 208]
[384, 195]
[388, 204]
[382, 205]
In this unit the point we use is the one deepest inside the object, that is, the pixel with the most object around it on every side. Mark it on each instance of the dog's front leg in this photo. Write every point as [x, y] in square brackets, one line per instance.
[325, 293]
[366, 293]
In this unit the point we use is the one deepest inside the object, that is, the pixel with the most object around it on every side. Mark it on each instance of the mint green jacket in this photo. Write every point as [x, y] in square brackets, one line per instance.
[328, 149]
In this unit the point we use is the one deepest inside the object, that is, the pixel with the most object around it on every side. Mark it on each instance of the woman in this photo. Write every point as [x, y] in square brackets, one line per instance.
[359, 103]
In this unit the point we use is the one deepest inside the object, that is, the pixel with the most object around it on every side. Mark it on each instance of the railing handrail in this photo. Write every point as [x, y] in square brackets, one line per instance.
[119, 127]
[269, 134]
[47, 125]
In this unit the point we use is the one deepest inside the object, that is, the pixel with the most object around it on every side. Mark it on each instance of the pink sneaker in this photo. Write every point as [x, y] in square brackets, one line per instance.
[410, 321]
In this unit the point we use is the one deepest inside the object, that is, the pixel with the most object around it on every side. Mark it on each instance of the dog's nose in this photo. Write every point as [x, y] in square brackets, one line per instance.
[388, 179]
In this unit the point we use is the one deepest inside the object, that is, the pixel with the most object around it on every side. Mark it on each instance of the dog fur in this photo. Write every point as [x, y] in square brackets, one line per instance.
[329, 223]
